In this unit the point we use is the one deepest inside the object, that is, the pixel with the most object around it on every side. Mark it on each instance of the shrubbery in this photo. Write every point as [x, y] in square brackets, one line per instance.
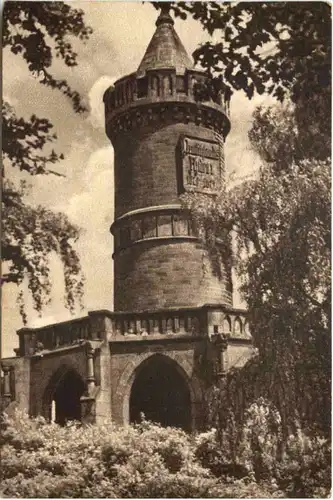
[39, 459]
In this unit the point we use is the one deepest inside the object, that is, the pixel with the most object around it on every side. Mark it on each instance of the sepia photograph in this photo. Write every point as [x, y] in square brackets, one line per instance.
[166, 249]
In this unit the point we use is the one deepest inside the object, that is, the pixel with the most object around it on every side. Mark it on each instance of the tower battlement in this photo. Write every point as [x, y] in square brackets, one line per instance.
[131, 101]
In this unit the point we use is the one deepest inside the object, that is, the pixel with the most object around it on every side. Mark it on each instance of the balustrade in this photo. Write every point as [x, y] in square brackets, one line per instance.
[207, 320]
[52, 337]
[181, 322]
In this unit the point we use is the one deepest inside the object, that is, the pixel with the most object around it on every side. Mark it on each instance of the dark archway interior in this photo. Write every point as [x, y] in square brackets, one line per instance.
[67, 398]
[162, 394]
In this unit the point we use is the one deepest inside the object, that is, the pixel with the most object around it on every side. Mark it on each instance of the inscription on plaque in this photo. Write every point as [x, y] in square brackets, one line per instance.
[201, 165]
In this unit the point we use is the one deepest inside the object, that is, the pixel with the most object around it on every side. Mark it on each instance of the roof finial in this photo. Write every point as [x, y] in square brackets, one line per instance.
[164, 17]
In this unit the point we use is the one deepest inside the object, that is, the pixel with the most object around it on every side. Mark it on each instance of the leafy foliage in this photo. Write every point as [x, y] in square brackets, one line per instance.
[32, 234]
[43, 460]
[24, 142]
[102, 461]
[298, 465]
[281, 225]
[281, 48]
[38, 32]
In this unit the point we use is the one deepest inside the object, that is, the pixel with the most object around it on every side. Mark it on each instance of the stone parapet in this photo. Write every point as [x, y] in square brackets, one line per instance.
[202, 321]
[158, 86]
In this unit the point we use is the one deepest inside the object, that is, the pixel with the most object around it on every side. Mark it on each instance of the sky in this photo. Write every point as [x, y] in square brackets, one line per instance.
[121, 33]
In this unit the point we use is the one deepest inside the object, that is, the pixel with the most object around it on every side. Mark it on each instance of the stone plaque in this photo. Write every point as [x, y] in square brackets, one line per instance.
[200, 165]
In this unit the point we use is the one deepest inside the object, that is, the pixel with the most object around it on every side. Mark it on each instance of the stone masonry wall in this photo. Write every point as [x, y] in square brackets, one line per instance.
[168, 273]
[147, 169]
[127, 358]
[43, 368]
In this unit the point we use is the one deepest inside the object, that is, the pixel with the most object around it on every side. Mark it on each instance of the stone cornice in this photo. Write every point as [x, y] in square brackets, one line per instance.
[145, 210]
[157, 239]
[149, 114]
[175, 208]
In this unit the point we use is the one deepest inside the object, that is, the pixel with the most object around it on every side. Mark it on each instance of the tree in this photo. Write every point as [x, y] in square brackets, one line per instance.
[279, 48]
[281, 225]
[280, 218]
[38, 31]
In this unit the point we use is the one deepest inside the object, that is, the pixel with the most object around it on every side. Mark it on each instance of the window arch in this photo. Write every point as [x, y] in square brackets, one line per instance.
[155, 86]
[167, 85]
[237, 327]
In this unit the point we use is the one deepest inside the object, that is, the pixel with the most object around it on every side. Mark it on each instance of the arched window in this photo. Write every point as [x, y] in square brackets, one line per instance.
[247, 331]
[169, 325]
[164, 227]
[167, 85]
[180, 225]
[180, 84]
[125, 236]
[226, 325]
[118, 326]
[129, 91]
[149, 228]
[182, 324]
[155, 86]
[136, 230]
[193, 325]
[156, 326]
[237, 327]
[132, 329]
[144, 326]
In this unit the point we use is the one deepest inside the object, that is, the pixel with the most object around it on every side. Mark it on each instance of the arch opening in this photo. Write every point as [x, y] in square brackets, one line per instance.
[161, 392]
[65, 401]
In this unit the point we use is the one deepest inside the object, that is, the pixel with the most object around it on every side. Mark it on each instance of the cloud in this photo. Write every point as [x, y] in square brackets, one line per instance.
[97, 197]
[241, 159]
[45, 320]
[96, 99]
[90, 208]
[93, 210]
[99, 161]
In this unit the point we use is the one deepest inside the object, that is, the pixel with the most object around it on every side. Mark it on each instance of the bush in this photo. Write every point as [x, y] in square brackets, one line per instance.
[298, 464]
[305, 471]
[43, 460]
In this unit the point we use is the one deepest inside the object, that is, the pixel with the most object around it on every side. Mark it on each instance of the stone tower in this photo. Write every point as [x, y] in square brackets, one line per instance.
[166, 141]
[173, 331]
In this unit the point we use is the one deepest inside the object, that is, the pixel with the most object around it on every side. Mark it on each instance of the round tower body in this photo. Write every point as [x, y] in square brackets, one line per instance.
[166, 142]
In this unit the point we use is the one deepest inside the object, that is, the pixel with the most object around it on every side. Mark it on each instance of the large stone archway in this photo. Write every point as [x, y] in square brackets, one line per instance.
[179, 370]
[161, 393]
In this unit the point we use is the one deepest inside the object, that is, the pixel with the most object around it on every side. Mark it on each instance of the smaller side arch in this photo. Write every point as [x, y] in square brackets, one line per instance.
[62, 396]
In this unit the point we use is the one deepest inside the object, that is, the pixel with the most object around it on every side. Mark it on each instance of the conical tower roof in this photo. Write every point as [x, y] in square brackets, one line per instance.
[165, 49]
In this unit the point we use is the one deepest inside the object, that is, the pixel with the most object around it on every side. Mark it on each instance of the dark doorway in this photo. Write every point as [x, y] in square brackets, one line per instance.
[66, 398]
[161, 393]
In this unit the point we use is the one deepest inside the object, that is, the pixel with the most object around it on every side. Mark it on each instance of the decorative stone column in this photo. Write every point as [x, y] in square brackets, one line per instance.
[7, 396]
[220, 342]
[88, 403]
[91, 382]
